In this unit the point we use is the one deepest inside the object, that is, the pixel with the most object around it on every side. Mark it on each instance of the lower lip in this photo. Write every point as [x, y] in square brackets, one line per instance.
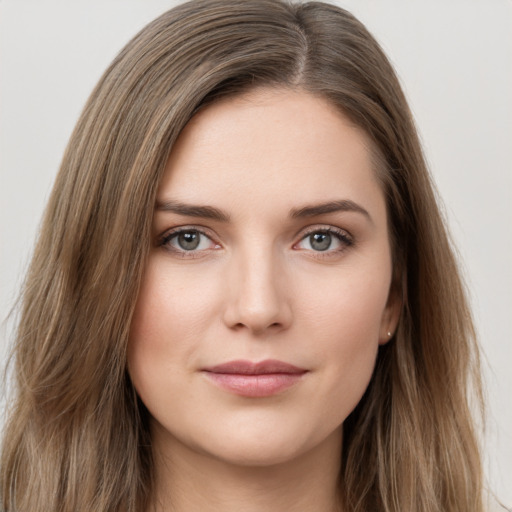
[255, 386]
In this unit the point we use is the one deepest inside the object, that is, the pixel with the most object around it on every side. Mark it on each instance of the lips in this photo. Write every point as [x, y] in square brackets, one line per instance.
[254, 380]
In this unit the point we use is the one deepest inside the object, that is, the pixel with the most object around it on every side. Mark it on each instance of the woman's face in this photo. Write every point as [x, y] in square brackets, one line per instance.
[266, 293]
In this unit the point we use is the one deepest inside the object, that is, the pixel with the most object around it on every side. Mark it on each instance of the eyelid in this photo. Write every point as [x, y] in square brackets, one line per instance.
[324, 227]
[343, 236]
[169, 234]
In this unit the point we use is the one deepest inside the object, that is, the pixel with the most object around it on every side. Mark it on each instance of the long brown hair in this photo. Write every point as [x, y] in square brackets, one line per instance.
[76, 438]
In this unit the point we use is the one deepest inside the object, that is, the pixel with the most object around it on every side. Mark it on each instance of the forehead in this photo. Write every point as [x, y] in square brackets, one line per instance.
[270, 147]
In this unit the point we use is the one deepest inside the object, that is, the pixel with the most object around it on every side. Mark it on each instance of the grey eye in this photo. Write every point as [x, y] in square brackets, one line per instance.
[188, 240]
[320, 241]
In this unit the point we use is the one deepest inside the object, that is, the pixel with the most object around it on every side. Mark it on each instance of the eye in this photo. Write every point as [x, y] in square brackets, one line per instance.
[187, 240]
[327, 240]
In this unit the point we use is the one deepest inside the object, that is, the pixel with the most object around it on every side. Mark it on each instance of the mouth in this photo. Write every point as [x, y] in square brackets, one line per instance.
[254, 380]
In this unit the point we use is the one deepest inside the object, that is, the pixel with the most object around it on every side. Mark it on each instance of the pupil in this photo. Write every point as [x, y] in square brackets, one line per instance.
[188, 240]
[320, 241]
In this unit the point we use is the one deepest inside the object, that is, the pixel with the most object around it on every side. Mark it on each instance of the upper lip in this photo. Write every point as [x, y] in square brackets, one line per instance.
[241, 367]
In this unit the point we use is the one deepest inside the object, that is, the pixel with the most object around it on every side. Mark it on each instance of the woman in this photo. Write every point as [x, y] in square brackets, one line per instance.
[234, 303]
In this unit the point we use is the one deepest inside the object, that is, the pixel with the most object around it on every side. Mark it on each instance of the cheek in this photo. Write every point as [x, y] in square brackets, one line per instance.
[171, 305]
[346, 304]
[160, 341]
[342, 318]
[176, 311]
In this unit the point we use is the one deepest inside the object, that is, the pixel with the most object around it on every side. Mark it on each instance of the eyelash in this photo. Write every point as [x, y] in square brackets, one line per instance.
[168, 236]
[343, 237]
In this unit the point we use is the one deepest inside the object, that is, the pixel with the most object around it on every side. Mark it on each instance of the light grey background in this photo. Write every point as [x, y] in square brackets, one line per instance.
[455, 60]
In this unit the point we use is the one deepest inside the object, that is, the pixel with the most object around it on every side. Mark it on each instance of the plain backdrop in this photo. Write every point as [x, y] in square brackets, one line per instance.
[454, 58]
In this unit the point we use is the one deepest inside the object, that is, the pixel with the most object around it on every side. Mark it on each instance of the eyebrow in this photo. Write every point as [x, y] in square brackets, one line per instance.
[210, 212]
[192, 210]
[342, 205]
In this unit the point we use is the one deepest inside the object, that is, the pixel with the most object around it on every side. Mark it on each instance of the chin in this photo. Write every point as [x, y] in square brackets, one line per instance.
[260, 447]
[261, 454]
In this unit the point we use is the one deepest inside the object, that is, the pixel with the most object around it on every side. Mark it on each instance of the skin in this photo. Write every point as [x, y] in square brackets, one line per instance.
[257, 288]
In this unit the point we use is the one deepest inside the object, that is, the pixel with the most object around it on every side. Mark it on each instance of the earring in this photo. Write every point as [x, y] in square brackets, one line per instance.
[389, 334]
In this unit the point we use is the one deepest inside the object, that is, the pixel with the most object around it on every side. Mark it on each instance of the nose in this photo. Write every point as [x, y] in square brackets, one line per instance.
[258, 294]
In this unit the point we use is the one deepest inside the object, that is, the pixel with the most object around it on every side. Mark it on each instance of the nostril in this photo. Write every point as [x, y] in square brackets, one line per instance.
[258, 329]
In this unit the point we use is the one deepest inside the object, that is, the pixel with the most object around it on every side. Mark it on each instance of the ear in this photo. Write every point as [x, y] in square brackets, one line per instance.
[391, 315]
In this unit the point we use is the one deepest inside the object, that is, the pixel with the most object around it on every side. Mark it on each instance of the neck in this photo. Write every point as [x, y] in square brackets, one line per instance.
[196, 482]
